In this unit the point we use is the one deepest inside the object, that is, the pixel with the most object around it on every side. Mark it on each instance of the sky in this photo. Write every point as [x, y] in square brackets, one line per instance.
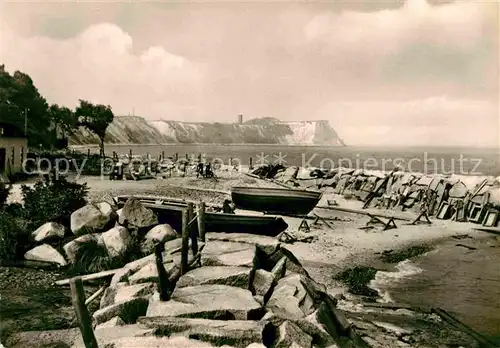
[382, 72]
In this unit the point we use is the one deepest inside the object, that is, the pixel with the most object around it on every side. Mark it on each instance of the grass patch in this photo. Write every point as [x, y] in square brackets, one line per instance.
[357, 280]
[392, 256]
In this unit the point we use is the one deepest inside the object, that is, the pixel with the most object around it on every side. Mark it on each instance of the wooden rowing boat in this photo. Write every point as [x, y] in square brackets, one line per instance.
[169, 211]
[275, 200]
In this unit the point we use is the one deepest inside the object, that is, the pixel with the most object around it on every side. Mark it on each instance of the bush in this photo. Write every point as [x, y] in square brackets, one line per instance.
[53, 200]
[15, 238]
[4, 193]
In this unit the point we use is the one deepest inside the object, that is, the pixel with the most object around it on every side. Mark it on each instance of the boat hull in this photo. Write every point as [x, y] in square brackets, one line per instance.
[275, 201]
[171, 213]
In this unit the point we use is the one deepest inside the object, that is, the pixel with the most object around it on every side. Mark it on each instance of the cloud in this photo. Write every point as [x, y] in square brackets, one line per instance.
[432, 121]
[414, 67]
[99, 65]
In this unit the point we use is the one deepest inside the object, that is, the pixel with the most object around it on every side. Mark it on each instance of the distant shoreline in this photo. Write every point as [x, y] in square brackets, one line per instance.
[203, 144]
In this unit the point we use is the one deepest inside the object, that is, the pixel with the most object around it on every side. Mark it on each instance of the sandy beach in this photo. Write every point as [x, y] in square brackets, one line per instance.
[335, 247]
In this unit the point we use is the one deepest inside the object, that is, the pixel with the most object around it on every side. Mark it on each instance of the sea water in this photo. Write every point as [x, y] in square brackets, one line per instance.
[465, 282]
[443, 160]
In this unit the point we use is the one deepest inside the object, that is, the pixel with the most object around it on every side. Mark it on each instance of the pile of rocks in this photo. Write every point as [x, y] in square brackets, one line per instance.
[248, 291]
[103, 223]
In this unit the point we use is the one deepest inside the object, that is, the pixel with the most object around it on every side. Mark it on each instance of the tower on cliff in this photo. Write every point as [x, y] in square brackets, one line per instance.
[240, 119]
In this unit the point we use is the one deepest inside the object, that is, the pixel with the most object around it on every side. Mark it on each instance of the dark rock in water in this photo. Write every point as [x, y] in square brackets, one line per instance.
[357, 280]
[404, 254]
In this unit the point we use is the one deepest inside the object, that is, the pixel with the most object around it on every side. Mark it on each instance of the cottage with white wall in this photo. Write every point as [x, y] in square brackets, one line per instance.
[13, 149]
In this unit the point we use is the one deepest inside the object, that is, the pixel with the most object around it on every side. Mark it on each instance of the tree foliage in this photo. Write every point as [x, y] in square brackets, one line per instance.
[96, 118]
[64, 119]
[22, 105]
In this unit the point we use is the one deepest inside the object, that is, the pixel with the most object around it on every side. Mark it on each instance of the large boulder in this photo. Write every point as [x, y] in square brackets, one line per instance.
[154, 342]
[71, 248]
[49, 230]
[263, 283]
[45, 253]
[117, 240]
[237, 333]
[291, 336]
[268, 244]
[232, 276]
[122, 292]
[210, 302]
[158, 234]
[295, 296]
[128, 310]
[107, 336]
[136, 216]
[108, 210]
[89, 219]
[114, 322]
[147, 273]
[218, 253]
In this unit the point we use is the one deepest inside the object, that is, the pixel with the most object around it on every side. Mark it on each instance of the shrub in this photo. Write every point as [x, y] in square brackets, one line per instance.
[15, 238]
[4, 193]
[53, 200]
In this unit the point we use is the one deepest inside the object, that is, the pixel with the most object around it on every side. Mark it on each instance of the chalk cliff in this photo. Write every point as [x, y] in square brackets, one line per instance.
[137, 130]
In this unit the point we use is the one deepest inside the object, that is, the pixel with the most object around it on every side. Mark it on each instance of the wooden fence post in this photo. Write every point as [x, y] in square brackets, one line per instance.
[201, 221]
[88, 153]
[130, 153]
[82, 313]
[163, 283]
[193, 233]
[250, 166]
[185, 242]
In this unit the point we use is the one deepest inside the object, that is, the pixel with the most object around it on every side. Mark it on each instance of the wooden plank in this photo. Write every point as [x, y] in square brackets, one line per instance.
[363, 212]
[93, 276]
[185, 242]
[164, 285]
[82, 313]
[201, 221]
[193, 233]
[95, 295]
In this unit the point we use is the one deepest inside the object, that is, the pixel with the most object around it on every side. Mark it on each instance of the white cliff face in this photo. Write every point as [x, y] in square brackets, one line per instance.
[302, 133]
[137, 130]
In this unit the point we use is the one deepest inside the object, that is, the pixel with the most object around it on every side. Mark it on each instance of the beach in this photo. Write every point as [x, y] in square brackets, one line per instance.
[341, 244]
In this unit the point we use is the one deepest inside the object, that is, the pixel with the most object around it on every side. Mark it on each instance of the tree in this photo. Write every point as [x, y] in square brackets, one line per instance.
[96, 118]
[20, 101]
[64, 119]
